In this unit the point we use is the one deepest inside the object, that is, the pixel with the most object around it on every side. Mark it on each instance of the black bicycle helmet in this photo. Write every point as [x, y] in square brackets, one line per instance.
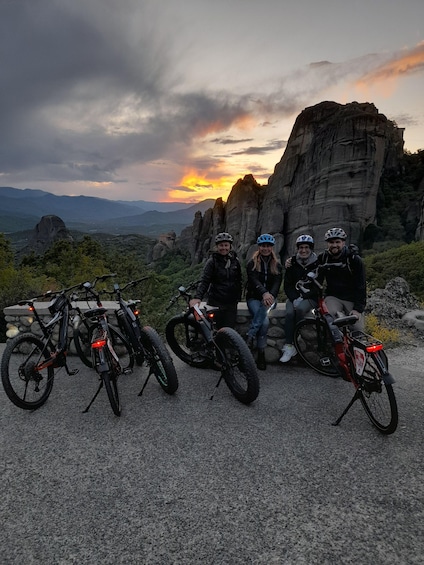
[335, 233]
[223, 236]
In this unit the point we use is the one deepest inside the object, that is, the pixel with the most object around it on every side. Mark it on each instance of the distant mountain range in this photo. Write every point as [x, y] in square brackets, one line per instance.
[22, 209]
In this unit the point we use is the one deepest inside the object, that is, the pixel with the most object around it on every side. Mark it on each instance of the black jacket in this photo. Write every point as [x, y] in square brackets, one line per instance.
[259, 282]
[221, 280]
[348, 281]
[297, 272]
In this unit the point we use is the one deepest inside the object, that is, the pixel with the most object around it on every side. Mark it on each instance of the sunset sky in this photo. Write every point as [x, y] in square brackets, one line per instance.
[174, 100]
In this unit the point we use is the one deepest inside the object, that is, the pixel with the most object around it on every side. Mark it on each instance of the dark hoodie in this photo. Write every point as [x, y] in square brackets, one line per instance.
[221, 280]
[297, 271]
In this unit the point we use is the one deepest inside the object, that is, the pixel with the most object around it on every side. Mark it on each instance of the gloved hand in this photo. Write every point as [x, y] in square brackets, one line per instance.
[297, 301]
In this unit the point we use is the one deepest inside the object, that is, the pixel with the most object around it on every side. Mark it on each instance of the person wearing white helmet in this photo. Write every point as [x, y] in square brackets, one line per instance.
[264, 276]
[297, 267]
[345, 282]
[221, 281]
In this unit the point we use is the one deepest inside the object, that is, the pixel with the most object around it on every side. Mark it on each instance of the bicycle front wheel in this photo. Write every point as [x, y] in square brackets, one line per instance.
[111, 385]
[378, 398]
[238, 365]
[157, 356]
[315, 347]
[187, 342]
[25, 381]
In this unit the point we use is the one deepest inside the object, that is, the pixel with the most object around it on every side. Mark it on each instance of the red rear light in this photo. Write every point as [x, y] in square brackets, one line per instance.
[211, 315]
[98, 344]
[31, 308]
[136, 312]
[374, 348]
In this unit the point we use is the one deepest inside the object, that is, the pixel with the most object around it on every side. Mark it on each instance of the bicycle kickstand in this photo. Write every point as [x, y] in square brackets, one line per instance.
[94, 397]
[216, 386]
[145, 382]
[355, 397]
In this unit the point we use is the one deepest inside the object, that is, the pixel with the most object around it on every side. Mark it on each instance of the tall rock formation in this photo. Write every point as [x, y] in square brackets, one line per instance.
[48, 230]
[330, 172]
[329, 175]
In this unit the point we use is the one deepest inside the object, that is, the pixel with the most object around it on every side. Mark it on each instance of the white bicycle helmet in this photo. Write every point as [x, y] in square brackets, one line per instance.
[266, 238]
[335, 233]
[223, 236]
[305, 238]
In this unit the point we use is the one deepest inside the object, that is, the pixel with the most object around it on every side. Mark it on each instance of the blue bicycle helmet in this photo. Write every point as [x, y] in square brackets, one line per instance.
[266, 238]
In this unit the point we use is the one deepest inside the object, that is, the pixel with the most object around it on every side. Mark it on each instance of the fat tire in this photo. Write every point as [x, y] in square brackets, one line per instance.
[176, 332]
[239, 369]
[159, 359]
[378, 398]
[82, 340]
[21, 353]
[306, 343]
[111, 385]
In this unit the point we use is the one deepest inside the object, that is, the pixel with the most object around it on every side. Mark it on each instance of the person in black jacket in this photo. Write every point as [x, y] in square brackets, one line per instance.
[221, 281]
[264, 276]
[297, 267]
[345, 282]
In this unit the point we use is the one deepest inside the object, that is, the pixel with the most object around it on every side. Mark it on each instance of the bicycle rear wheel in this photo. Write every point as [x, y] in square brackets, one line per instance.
[25, 382]
[239, 369]
[160, 361]
[83, 337]
[377, 397]
[111, 385]
[315, 347]
[187, 342]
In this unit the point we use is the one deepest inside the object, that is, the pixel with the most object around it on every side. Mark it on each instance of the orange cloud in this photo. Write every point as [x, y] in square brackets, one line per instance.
[410, 62]
[244, 121]
[200, 186]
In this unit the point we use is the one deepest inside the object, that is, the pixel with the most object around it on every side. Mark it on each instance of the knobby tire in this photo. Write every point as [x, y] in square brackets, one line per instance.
[238, 366]
[159, 359]
[187, 342]
[25, 385]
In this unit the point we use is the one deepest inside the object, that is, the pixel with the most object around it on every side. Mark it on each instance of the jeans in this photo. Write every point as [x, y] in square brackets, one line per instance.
[294, 315]
[260, 321]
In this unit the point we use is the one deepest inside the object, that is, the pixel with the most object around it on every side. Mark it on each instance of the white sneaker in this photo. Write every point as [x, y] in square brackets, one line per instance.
[289, 351]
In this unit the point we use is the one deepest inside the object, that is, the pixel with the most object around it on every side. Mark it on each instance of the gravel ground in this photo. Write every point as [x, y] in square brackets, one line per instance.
[189, 480]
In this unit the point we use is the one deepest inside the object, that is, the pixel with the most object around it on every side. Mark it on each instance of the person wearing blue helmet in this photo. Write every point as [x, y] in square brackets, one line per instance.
[264, 277]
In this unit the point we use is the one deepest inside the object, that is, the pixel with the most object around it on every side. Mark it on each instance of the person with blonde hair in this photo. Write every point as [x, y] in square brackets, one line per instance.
[264, 277]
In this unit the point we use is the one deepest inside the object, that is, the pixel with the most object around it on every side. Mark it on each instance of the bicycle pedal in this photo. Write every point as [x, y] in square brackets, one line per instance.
[325, 361]
[73, 372]
[127, 371]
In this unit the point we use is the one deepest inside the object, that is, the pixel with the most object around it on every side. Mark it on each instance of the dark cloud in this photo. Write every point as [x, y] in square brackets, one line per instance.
[89, 87]
[261, 150]
[229, 140]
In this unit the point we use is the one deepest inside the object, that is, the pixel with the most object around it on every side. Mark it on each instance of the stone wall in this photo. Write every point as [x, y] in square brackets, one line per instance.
[20, 320]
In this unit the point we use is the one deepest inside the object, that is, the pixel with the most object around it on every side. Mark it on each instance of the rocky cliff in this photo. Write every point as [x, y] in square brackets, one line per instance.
[329, 175]
[48, 230]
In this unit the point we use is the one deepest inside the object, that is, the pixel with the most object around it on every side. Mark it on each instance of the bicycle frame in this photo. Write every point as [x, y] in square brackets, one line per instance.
[352, 348]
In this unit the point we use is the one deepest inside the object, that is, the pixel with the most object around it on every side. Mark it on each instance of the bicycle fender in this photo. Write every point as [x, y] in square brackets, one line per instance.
[388, 378]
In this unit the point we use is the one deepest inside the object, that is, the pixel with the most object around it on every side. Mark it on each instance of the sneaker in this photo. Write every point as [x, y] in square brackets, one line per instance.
[289, 351]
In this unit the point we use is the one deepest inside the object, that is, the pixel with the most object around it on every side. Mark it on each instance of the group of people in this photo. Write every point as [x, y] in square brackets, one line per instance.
[221, 281]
